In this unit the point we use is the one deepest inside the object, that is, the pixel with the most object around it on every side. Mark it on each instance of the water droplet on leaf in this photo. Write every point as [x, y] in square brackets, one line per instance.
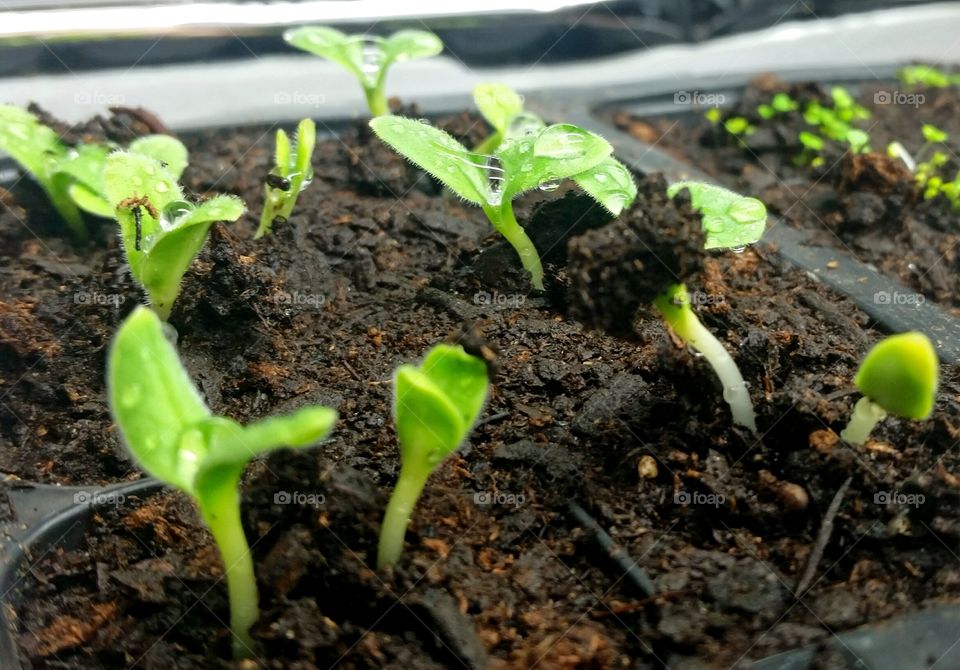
[552, 183]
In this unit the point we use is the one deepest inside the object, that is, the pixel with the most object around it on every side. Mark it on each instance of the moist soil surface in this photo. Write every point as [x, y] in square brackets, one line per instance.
[866, 205]
[595, 407]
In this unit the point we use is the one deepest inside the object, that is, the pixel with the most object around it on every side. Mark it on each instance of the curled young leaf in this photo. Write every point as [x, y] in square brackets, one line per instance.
[610, 184]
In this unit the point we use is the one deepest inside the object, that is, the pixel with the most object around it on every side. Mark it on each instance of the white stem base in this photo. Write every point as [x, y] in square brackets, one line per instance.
[866, 415]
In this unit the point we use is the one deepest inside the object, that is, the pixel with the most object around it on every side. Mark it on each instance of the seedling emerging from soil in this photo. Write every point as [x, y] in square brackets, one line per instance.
[174, 437]
[781, 103]
[435, 407]
[87, 166]
[161, 231]
[541, 159]
[292, 174]
[367, 57]
[73, 176]
[730, 221]
[927, 75]
[899, 377]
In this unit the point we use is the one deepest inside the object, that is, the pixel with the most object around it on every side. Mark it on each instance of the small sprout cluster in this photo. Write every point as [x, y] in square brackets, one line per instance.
[292, 173]
[161, 231]
[435, 406]
[367, 57]
[539, 158]
[927, 75]
[730, 221]
[72, 177]
[175, 437]
[930, 165]
[898, 376]
[829, 123]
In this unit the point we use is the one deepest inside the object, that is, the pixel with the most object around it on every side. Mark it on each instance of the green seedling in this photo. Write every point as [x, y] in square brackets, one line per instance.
[161, 231]
[739, 126]
[72, 177]
[174, 437]
[367, 57]
[781, 103]
[834, 123]
[87, 166]
[291, 175]
[39, 151]
[730, 221]
[435, 406]
[930, 173]
[927, 75]
[538, 159]
[899, 377]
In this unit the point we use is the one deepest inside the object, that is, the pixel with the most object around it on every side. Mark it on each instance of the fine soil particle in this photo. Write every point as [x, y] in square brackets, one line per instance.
[609, 412]
[867, 206]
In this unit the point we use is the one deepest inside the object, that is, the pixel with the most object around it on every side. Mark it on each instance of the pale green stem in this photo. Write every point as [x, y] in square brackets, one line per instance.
[377, 99]
[490, 143]
[69, 211]
[686, 324]
[399, 510]
[221, 512]
[506, 224]
[866, 415]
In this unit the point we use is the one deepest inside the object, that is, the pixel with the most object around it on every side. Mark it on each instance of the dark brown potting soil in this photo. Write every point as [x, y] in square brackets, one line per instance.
[377, 265]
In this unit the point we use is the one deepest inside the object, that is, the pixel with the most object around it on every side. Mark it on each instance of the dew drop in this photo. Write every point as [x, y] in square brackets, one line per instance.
[552, 183]
[214, 211]
[150, 170]
[600, 177]
[18, 130]
[526, 167]
[131, 396]
[738, 250]
[734, 392]
[161, 187]
[170, 334]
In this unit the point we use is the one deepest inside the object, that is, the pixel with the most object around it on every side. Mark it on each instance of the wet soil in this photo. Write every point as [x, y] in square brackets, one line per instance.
[594, 403]
[867, 206]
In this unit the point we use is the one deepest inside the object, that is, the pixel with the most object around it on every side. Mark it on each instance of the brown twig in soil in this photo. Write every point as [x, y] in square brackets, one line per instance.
[353, 373]
[493, 418]
[823, 537]
[633, 572]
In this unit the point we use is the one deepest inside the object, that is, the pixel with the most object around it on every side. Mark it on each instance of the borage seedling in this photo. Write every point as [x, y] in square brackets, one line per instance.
[927, 75]
[174, 437]
[292, 173]
[730, 221]
[541, 159]
[435, 406]
[161, 231]
[898, 376]
[72, 177]
[367, 57]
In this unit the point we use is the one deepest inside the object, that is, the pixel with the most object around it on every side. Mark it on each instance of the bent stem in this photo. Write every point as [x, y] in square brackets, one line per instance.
[506, 224]
[866, 415]
[674, 305]
[221, 512]
[399, 510]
